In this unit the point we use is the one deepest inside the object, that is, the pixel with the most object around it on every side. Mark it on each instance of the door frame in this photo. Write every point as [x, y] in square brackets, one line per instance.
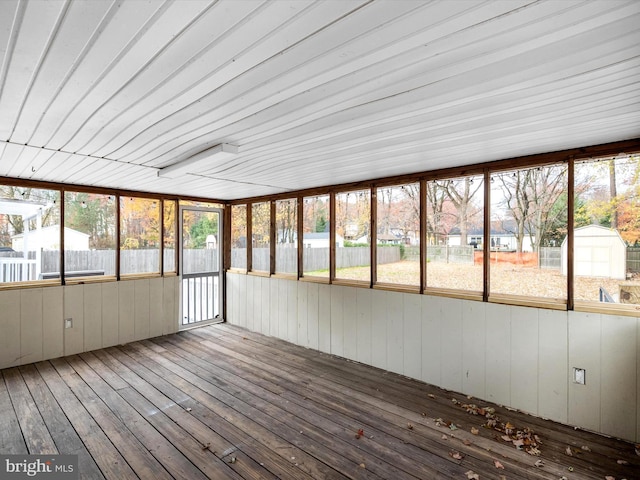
[220, 288]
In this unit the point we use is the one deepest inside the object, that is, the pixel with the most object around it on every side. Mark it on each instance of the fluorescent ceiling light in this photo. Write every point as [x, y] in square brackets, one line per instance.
[191, 164]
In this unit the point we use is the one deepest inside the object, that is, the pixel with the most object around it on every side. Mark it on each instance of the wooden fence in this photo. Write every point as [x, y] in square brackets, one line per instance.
[314, 259]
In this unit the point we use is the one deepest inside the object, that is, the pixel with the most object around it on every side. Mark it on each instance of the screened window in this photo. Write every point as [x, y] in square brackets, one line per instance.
[239, 236]
[260, 234]
[528, 227]
[607, 231]
[315, 240]
[287, 236]
[169, 236]
[455, 234]
[139, 235]
[29, 234]
[90, 235]
[353, 235]
[398, 234]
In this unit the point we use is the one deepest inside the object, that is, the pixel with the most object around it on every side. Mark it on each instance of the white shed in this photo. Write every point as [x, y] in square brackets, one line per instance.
[598, 252]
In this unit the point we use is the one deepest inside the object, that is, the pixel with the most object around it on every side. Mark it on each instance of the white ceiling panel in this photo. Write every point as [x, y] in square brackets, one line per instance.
[313, 93]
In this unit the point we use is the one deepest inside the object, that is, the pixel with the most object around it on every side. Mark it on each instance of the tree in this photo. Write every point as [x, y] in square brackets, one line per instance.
[286, 220]
[461, 193]
[530, 202]
[206, 225]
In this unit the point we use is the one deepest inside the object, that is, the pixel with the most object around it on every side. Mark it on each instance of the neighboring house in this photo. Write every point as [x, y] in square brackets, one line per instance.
[499, 239]
[320, 240]
[597, 252]
[48, 238]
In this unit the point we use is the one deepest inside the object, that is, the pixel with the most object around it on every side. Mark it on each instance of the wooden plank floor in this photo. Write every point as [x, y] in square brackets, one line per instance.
[220, 402]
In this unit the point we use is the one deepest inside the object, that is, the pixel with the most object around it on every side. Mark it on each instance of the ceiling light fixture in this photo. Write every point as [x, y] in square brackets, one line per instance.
[219, 152]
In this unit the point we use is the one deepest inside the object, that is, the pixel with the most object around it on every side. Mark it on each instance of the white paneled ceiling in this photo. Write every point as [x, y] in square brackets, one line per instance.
[313, 93]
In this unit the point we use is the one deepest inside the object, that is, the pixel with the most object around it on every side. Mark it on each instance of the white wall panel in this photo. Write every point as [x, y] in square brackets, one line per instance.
[313, 315]
[92, 316]
[254, 316]
[473, 348]
[552, 365]
[585, 332]
[126, 309]
[363, 325]
[171, 303]
[324, 318]
[31, 329]
[274, 313]
[337, 320]
[243, 301]
[395, 333]
[156, 314]
[110, 333]
[10, 328]
[350, 323]
[431, 339]
[498, 353]
[265, 301]
[379, 329]
[303, 290]
[412, 331]
[52, 322]
[74, 309]
[282, 312]
[524, 361]
[141, 309]
[292, 310]
[233, 298]
[619, 400]
[451, 334]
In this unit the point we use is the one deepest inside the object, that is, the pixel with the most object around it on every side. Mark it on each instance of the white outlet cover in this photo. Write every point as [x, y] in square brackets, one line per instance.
[579, 376]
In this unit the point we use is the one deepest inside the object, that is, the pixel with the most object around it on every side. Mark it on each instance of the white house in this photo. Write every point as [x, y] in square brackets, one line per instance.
[320, 240]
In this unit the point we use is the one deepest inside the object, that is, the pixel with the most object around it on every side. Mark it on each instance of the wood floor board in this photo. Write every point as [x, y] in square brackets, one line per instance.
[64, 435]
[386, 447]
[12, 441]
[388, 460]
[221, 402]
[35, 431]
[238, 412]
[354, 412]
[424, 435]
[107, 457]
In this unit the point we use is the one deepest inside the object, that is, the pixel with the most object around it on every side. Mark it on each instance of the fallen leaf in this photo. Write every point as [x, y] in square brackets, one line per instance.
[362, 465]
[585, 448]
[475, 431]
[518, 443]
[188, 409]
[471, 475]
[506, 438]
[502, 477]
[623, 462]
[233, 460]
[453, 427]
[444, 437]
[431, 395]
[456, 455]
[360, 433]
[467, 442]
[568, 451]
[410, 426]
[498, 464]
[570, 469]
[609, 477]
[539, 464]
[206, 446]
[509, 426]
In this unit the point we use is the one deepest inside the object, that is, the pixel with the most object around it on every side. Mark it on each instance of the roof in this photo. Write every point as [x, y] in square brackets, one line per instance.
[311, 93]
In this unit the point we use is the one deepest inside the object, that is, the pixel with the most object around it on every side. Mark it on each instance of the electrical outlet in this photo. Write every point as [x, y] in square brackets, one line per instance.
[68, 323]
[579, 376]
